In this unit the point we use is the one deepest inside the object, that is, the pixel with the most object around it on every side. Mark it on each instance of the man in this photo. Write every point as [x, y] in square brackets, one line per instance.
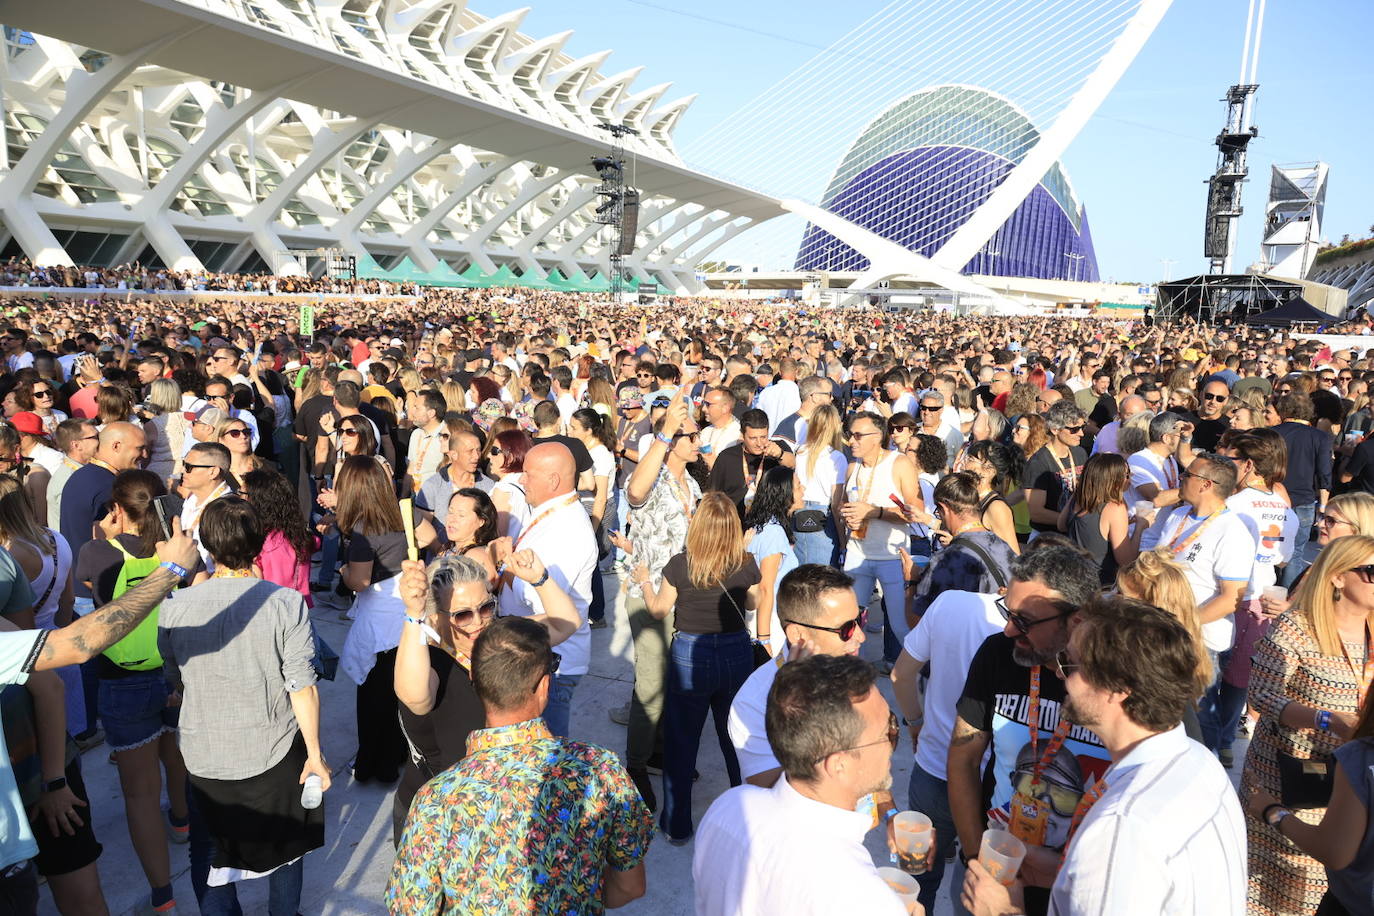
[737, 469]
[1252, 379]
[14, 341]
[632, 426]
[797, 848]
[707, 378]
[932, 423]
[428, 441]
[86, 494]
[561, 379]
[1155, 468]
[150, 369]
[76, 440]
[464, 454]
[1105, 440]
[24, 652]
[819, 617]
[548, 422]
[1096, 400]
[519, 776]
[219, 392]
[1211, 415]
[1166, 834]
[1090, 363]
[1052, 473]
[1308, 479]
[1217, 549]
[224, 361]
[974, 560]
[722, 430]
[783, 397]
[205, 478]
[1038, 764]
[558, 530]
[816, 391]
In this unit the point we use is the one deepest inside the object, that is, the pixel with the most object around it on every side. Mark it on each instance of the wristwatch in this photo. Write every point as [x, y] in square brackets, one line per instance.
[1274, 815]
[54, 784]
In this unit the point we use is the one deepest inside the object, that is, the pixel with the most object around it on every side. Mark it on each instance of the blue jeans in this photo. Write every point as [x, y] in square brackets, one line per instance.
[1230, 707]
[558, 712]
[1306, 515]
[622, 514]
[888, 575]
[705, 670]
[283, 885]
[930, 795]
[134, 709]
[817, 546]
[1208, 711]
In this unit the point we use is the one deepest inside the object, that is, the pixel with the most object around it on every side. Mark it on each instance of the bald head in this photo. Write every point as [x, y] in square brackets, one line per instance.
[120, 446]
[1131, 405]
[550, 471]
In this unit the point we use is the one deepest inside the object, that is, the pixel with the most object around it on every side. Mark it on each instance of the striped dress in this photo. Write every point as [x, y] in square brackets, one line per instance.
[1289, 666]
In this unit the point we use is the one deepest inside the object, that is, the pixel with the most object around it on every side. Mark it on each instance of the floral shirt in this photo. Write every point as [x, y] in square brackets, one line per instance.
[525, 823]
[658, 529]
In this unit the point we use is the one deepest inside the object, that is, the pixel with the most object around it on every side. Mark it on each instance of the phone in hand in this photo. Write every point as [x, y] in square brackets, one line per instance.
[161, 505]
[897, 500]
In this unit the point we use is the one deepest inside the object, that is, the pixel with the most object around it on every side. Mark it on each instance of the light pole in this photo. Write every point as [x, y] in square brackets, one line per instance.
[1168, 267]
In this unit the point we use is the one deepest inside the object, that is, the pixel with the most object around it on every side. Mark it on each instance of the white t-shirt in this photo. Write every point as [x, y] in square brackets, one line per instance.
[716, 440]
[954, 626]
[18, 653]
[746, 726]
[1223, 550]
[1147, 467]
[1274, 526]
[830, 471]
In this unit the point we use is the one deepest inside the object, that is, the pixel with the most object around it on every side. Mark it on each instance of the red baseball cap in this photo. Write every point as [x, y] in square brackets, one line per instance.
[29, 423]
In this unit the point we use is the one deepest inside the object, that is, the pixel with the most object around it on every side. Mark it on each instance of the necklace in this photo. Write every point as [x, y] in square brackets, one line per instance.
[222, 573]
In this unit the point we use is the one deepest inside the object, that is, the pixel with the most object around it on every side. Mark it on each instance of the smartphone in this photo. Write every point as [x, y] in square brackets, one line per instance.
[898, 501]
[164, 514]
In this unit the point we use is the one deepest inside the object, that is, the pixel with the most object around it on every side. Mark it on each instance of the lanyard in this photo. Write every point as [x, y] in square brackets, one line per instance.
[1365, 676]
[1171, 473]
[684, 493]
[103, 464]
[1061, 730]
[1085, 803]
[200, 509]
[566, 501]
[1176, 548]
[1071, 470]
[420, 458]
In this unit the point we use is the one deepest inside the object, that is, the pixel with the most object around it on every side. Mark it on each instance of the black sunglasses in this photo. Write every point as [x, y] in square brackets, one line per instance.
[845, 630]
[927, 409]
[1184, 474]
[1022, 623]
[1366, 574]
[197, 467]
[1215, 397]
[1074, 429]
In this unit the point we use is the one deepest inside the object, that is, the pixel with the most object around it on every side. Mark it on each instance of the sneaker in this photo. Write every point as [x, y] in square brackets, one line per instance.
[179, 835]
[646, 788]
[674, 841]
[1227, 757]
[620, 715]
[167, 909]
[89, 740]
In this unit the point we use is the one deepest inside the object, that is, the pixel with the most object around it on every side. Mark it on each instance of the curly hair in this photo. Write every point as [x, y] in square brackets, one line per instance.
[274, 498]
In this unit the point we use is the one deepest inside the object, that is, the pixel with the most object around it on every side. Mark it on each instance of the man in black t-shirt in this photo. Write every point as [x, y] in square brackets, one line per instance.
[547, 418]
[1033, 781]
[738, 468]
[1211, 419]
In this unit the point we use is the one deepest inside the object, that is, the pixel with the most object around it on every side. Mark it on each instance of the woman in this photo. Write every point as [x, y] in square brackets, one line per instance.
[1183, 401]
[1035, 436]
[1306, 685]
[288, 544]
[356, 437]
[270, 389]
[594, 431]
[39, 396]
[601, 398]
[238, 643]
[370, 518]
[998, 472]
[235, 435]
[138, 707]
[1096, 518]
[471, 528]
[164, 427]
[1344, 840]
[821, 470]
[1156, 577]
[708, 587]
[1244, 417]
[508, 466]
[113, 404]
[987, 425]
[901, 426]
[769, 534]
[1347, 514]
[481, 389]
[447, 606]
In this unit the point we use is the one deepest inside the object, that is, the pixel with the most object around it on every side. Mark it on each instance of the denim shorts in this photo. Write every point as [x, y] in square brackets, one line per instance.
[134, 709]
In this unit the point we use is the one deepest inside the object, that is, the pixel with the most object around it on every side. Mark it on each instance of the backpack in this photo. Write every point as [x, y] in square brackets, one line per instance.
[137, 651]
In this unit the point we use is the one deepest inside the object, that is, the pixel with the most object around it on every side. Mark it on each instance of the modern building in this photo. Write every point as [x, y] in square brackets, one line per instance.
[235, 135]
[921, 168]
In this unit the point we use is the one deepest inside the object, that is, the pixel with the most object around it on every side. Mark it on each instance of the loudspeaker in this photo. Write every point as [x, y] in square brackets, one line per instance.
[629, 222]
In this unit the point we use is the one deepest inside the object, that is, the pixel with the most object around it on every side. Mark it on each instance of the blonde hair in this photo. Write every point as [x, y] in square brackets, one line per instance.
[454, 396]
[822, 432]
[1357, 508]
[715, 541]
[410, 379]
[1315, 601]
[1157, 578]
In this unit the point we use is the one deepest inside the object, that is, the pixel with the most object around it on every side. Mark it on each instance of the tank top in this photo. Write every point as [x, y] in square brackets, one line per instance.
[1086, 532]
[876, 487]
[54, 572]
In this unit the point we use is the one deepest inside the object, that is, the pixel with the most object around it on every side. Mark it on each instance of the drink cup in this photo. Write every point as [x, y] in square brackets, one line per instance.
[913, 834]
[1275, 593]
[1001, 854]
[902, 884]
[1142, 507]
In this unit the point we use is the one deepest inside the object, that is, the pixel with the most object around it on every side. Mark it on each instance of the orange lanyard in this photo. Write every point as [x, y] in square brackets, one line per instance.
[200, 510]
[420, 458]
[1171, 478]
[1176, 548]
[1061, 729]
[567, 501]
[1085, 803]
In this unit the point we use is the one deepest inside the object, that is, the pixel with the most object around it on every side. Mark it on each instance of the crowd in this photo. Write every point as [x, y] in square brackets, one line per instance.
[1092, 555]
[23, 274]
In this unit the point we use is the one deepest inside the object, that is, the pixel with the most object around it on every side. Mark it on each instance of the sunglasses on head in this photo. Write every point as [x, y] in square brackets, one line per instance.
[845, 630]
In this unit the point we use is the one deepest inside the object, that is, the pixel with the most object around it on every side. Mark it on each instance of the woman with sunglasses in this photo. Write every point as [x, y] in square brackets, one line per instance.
[447, 606]
[369, 517]
[1311, 674]
[40, 397]
[235, 435]
[901, 426]
[507, 457]
[356, 438]
[708, 588]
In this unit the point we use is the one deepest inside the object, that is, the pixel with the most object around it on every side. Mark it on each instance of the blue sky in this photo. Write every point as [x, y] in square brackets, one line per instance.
[1139, 165]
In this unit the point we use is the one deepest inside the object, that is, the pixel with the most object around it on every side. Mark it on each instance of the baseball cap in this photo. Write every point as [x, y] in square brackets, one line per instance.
[212, 416]
[630, 396]
[28, 423]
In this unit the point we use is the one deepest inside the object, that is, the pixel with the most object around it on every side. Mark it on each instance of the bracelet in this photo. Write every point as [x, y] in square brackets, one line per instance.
[1324, 720]
[889, 814]
[179, 571]
[542, 579]
[419, 622]
[666, 440]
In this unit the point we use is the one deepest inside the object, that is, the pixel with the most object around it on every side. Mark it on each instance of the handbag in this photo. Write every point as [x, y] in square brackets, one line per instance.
[1305, 783]
[808, 521]
[761, 655]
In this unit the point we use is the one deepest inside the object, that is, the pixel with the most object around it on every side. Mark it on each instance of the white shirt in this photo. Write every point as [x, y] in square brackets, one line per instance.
[49, 459]
[778, 400]
[1077, 384]
[1223, 551]
[192, 510]
[1147, 467]
[746, 726]
[560, 533]
[830, 472]
[1167, 838]
[948, 636]
[1274, 526]
[715, 440]
[775, 852]
[567, 406]
[425, 452]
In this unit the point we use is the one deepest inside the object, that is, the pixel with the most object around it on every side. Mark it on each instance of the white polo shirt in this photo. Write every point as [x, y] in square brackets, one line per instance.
[1223, 550]
[956, 623]
[761, 852]
[1147, 467]
[1167, 837]
[1274, 526]
[560, 534]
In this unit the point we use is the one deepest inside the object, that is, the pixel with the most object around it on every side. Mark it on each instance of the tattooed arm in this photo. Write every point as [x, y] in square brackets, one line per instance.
[87, 637]
[966, 746]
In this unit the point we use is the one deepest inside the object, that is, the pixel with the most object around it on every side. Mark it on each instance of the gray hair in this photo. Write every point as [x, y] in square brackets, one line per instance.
[1063, 414]
[813, 384]
[997, 423]
[933, 394]
[1062, 567]
[1163, 424]
[448, 572]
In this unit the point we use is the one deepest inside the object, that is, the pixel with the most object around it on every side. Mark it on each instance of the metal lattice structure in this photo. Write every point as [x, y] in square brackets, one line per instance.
[1293, 219]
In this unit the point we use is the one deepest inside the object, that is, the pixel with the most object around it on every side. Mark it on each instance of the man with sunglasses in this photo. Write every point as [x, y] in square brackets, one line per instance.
[1010, 709]
[797, 847]
[721, 430]
[1155, 468]
[1165, 833]
[450, 859]
[1211, 415]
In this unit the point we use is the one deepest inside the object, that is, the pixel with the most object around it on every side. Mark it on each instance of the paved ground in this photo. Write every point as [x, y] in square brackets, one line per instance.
[349, 874]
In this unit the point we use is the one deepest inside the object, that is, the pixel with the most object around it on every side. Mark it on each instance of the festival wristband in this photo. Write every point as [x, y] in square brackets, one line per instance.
[1324, 720]
[179, 571]
[666, 440]
[426, 631]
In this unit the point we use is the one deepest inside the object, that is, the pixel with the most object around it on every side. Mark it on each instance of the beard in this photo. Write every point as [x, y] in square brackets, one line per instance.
[1076, 714]
[1029, 658]
[882, 785]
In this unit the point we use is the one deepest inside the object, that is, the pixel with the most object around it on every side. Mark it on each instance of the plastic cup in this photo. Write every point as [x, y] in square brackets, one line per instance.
[1275, 593]
[902, 884]
[1142, 507]
[912, 835]
[1001, 854]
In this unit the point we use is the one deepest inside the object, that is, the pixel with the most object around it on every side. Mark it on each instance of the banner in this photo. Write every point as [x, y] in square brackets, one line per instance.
[307, 321]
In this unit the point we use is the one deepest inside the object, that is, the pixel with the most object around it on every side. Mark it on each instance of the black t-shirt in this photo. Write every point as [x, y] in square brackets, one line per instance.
[1104, 411]
[630, 432]
[386, 552]
[308, 423]
[84, 498]
[1361, 467]
[710, 609]
[581, 457]
[1045, 472]
[728, 476]
[440, 736]
[1207, 433]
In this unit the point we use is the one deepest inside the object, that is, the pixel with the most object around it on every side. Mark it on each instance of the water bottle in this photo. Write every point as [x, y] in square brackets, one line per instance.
[313, 793]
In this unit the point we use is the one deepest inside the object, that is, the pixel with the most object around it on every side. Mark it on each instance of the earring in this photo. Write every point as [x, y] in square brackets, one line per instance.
[1336, 593]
